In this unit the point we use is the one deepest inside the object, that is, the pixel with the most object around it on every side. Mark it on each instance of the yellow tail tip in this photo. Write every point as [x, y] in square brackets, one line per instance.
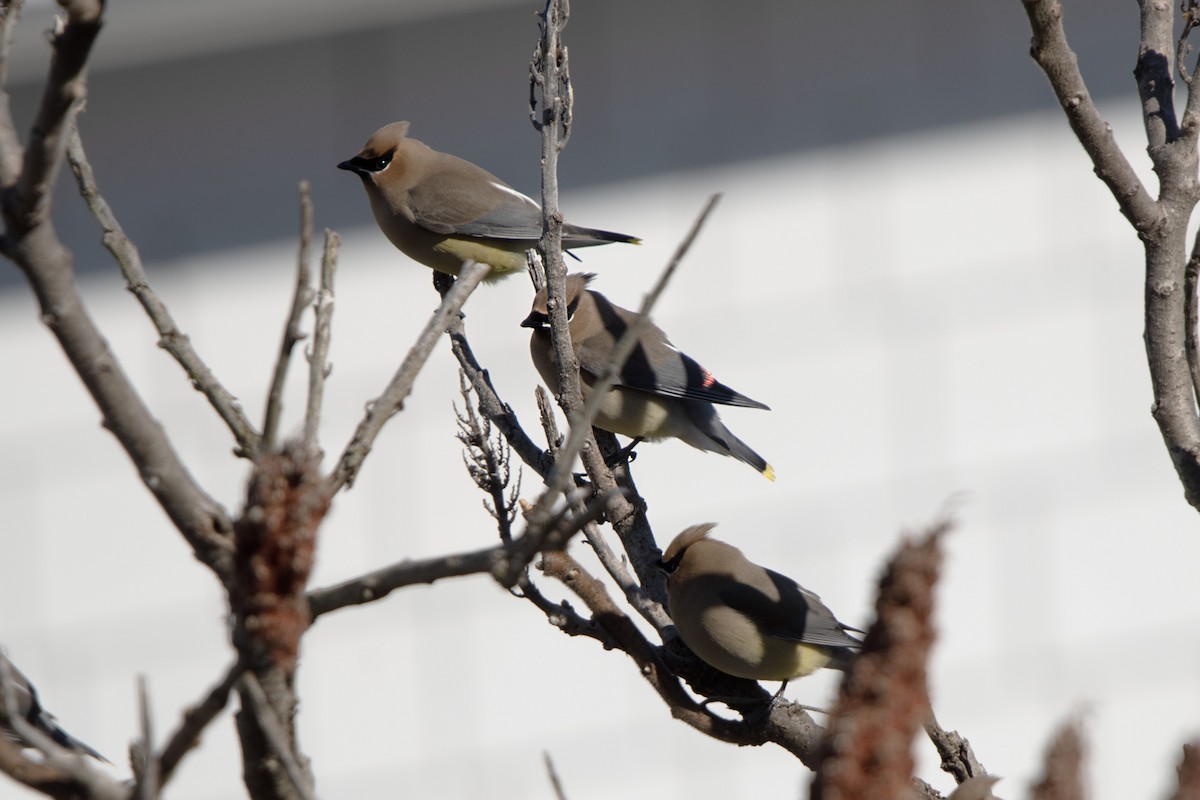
[769, 472]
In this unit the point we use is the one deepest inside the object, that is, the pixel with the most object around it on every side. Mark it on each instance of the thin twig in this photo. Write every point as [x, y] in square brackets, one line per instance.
[563, 616]
[491, 406]
[1188, 773]
[554, 439]
[651, 611]
[392, 399]
[318, 359]
[195, 720]
[11, 152]
[382, 582]
[505, 562]
[27, 205]
[562, 567]
[626, 514]
[292, 333]
[171, 338]
[613, 564]
[1191, 283]
[1182, 48]
[1190, 124]
[553, 533]
[553, 775]
[581, 423]
[487, 462]
[147, 780]
[636, 536]
[275, 732]
[547, 86]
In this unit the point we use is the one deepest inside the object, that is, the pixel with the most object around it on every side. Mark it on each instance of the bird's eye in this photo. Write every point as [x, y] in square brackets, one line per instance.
[379, 163]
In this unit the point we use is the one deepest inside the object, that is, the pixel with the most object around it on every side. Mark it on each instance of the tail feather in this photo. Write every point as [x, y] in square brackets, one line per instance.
[721, 440]
[575, 236]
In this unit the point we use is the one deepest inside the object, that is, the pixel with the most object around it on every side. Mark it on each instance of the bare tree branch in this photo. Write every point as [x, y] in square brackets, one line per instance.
[275, 731]
[650, 610]
[1192, 104]
[1191, 317]
[392, 399]
[1161, 225]
[491, 406]
[550, 83]
[581, 422]
[1052, 53]
[553, 775]
[292, 333]
[146, 786]
[958, 758]
[30, 241]
[505, 562]
[11, 152]
[548, 87]
[562, 567]
[562, 615]
[1188, 774]
[487, 462]
[28, 205]
[1154, 77]
[195, 720]
[319, 357]
[171, 338]
[382, 582]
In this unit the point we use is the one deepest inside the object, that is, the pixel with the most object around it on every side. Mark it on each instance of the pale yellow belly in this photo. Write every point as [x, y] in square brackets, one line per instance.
[446, 253]
[632, 413]
[726, 640]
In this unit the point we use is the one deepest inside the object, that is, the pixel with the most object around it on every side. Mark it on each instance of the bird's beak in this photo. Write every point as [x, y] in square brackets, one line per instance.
[355, 165]
[534, 320]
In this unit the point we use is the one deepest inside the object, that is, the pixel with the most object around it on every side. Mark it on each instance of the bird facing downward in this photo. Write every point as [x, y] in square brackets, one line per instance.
[745, 620]
[441, 210]
[30, 709]
[659, 392]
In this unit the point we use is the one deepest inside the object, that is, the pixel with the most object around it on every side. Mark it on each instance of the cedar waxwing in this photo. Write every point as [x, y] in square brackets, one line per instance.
[658, 393]
[746, 620]
[441, 210]
[29, 707]
[976, 788]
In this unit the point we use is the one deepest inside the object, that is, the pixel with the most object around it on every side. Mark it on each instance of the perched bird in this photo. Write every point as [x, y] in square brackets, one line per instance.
[30, 709]
[441, 210]
[976, 788]
[745, 620]
[659, 392]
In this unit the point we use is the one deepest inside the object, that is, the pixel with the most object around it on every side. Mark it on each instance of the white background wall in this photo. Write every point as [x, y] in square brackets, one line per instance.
[954, 313]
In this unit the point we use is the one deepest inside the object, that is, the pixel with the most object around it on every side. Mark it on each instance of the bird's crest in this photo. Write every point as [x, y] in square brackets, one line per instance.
[686, 538]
